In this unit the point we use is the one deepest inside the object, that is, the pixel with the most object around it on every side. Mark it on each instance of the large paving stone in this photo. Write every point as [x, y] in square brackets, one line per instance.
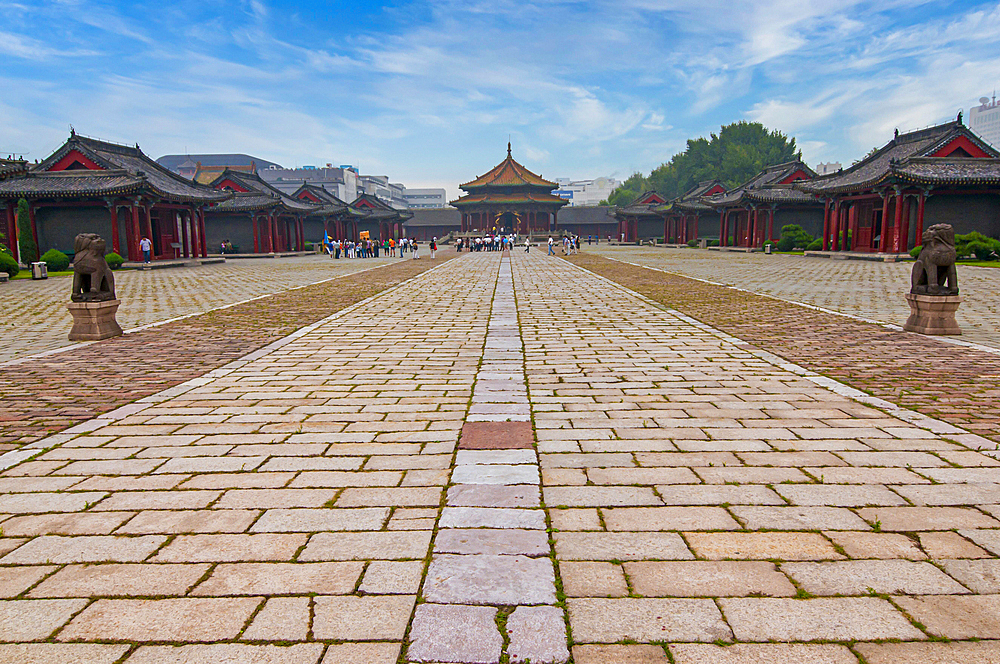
[489, 579]
[982, 652]
[495, 474]
[707, 579]
[337, 578]
[613, 620]
[497, 435]
[226, 653]
[858, 577]
[367, 546]
[488, 517]
[178, 619]
[61, 653]
[770, 653]
[630, 654]
[492, 541]
[823, 619]
[621, 546]
[459, 634]
[120, 580]
[537, 635]
[370, 618]
[956, 617]
[35, 620]
[763, 546]
[494, 496]
[86, 549]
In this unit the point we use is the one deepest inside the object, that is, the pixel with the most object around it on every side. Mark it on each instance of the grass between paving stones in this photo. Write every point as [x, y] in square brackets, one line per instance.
[952, 383]
[43, 396]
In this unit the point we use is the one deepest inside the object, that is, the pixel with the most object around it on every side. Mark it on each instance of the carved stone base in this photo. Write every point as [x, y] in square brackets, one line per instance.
[93, 321]
[933, 314]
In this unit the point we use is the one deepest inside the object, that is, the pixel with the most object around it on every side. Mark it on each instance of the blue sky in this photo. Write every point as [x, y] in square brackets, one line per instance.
[428, 92]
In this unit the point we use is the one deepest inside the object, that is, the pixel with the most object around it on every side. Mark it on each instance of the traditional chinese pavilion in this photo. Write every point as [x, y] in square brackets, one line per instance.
[115, 191]
[681, 216]
[641, 218]
[257, 215]
[942, 174]
[509, 197]
[332, 218]
[751, 213]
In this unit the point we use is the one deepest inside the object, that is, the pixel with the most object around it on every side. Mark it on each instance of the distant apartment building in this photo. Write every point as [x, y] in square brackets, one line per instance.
[984, 120]
[425, 198]
[380, 187]
[585, 192]
[341, 181]
[826, 169]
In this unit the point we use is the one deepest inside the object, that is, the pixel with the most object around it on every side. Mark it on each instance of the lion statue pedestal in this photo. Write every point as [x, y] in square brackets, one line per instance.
[94, 304]
[933, 296]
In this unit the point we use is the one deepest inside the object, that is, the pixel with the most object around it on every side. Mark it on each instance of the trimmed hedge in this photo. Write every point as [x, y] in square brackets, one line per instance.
[114, 260]
[56, 260]
[8, 264]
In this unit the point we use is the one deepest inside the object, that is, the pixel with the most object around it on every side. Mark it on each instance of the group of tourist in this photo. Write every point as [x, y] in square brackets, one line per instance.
[486, 243]
[373, 248]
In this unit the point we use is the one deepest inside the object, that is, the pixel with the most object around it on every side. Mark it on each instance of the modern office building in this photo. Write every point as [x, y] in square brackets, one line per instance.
[418, 199]
[380, 187]
[341, 181]
[984, 120]
[585, 192]
[826, 169]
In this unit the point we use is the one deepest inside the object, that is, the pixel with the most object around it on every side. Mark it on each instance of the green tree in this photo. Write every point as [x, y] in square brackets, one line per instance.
[25, 238]
[737, 153]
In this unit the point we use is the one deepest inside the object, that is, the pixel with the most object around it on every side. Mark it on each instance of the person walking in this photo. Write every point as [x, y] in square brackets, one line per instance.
[527, 245]
[551, 251]
[147, 247]
[434, 246]
[416, 249]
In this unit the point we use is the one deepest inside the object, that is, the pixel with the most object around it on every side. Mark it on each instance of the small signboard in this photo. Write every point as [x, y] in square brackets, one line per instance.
[363, 235]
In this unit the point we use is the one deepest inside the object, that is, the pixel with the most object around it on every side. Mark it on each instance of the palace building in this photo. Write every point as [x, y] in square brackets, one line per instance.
[754, 212]
[881, 204]
[681, 216]
[116, 191]
[509, 198]
[640, 218]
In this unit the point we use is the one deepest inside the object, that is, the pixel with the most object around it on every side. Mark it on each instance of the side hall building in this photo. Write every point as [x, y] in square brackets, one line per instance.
[116, 191]
[942, 174]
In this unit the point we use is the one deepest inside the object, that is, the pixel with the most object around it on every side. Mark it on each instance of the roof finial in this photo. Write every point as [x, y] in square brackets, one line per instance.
[72, 130]
[896, 135]
[508, 147]
[960, 117]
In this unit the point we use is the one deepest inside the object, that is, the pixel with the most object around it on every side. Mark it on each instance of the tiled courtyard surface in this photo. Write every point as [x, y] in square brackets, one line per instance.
[339, 497]
[871, 290]
[36, 318]
[50, 393]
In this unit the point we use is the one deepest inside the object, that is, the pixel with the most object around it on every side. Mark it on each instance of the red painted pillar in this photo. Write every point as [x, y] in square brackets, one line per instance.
[884, 234]
[852, 224]
[204, 239]
[256, 238]
[919, 239]
[826, 225]
[905, 228]
[835, 227]
[722, 228]
[666, 230]
[115, 247]
[897, 223]
[133, 249]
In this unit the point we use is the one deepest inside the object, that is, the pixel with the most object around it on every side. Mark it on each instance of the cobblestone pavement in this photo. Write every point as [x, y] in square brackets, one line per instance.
[369, 490]
[36, 318]
[53, 392]
[867, 289]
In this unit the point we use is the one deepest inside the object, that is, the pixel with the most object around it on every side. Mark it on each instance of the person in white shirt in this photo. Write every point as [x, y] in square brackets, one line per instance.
[147, 247]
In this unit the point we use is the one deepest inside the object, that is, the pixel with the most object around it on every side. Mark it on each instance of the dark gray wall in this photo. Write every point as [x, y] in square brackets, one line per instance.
[237, 228]
[313, 231]
[971, 212]
[58, 227]
[810, 219]
[650, 229]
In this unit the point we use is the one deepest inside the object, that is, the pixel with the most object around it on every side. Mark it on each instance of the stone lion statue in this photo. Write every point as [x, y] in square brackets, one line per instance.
[934, 272]
[93, 280]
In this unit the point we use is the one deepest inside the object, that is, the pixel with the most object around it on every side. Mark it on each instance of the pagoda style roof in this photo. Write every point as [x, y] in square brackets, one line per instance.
[330, 204]
[693, 199]
[916, 154]
[509, 198]
[646, 204]
[774, 184]
[12, 167]
[509, 173]
[376, 208]
[263, 195]
[88, 167]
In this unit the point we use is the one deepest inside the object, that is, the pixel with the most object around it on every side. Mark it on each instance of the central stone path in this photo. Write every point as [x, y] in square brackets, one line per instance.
[504, 459]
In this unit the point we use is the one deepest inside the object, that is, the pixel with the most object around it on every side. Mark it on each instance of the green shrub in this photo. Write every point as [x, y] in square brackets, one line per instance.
[815, 245]
[8, 264]
[56, 260]
[793, 235]
[915, 252]
[25, 239]
[114, 260]
[692, 243]
[963, 243]
[308, 246]
[981, 250]
[713, 243]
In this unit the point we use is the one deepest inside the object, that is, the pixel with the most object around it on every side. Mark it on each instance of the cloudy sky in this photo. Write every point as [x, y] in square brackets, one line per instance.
[428, 92]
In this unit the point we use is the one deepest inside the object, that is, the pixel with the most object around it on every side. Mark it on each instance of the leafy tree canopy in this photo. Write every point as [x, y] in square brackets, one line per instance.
[737, 153]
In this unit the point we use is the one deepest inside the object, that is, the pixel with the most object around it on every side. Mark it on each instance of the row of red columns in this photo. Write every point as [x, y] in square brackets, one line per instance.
[681, 229]
[273, 235]
[756, 234]
[840, 223]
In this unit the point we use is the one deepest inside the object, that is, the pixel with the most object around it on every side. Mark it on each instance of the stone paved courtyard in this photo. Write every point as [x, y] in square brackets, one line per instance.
[36, 318]
[480, 468]
[868, 289]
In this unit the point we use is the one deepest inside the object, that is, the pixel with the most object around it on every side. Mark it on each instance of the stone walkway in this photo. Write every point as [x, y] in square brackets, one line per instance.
[368, 491]
[37, 320]
[867, 289]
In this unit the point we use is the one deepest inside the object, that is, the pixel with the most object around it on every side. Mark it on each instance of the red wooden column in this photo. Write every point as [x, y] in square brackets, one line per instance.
[905, 228]
[204, 239]
[256, 238]
[133, 249]
[897, 222]
[666, 230]
[751, 226]
[270, 233]
[835, 227]
[826, 225]
[919, 235]
[883, 235]
[852, 224]
[722, 228]
[115, 247]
